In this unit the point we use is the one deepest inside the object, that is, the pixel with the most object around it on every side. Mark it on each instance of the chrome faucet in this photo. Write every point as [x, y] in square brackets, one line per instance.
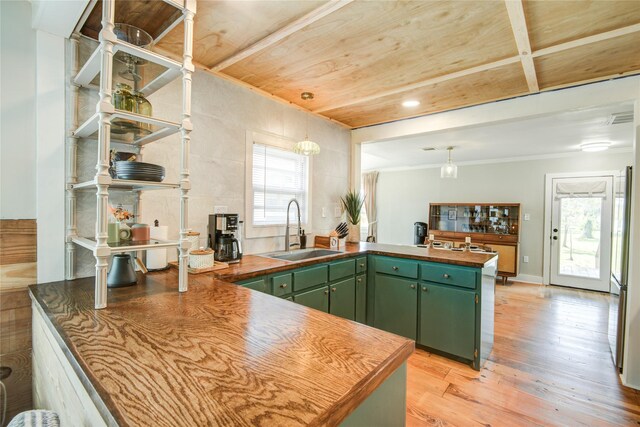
[288, 245]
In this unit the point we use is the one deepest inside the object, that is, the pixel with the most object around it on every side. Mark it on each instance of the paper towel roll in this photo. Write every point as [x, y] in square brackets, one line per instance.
[157, 258]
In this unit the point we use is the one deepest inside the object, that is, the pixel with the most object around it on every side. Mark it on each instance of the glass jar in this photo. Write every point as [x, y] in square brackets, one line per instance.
[142, 104]
[123, 99]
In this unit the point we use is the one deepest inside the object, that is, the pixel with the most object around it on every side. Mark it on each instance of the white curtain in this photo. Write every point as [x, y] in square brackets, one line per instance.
[369, 181]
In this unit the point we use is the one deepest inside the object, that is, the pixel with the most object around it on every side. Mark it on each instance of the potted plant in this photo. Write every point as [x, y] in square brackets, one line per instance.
[352, 204]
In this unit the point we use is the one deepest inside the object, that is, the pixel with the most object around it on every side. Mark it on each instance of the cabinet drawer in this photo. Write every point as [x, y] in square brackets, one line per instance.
[361, 265]
[397, 267]
[259, 284]
[281, 284]
[309, 277]
[449, 274]
[341, 269]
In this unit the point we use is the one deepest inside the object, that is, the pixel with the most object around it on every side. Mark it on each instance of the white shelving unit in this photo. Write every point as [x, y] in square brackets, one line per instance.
[98, 128]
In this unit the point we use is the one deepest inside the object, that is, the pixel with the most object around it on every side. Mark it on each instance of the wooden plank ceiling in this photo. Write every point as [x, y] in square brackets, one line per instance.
[362, 59]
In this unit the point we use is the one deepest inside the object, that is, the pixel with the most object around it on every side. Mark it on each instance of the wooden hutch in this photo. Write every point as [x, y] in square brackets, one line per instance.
[493, 225]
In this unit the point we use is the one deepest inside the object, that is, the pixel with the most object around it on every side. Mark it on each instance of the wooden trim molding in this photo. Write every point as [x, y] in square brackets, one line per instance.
[521, 34]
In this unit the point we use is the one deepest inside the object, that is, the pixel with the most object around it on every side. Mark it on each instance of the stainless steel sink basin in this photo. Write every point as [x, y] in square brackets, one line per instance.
[300, 254]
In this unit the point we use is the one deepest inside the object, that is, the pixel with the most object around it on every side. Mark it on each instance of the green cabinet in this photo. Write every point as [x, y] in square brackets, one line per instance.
[454, 275]
[257, 284]
[281, 284]
[341, 269]
[397, 267]
[338, 287]
[448, 319]
[317, 298]
[342, 298]
[396, 305]
[309, 277]
[361, 298]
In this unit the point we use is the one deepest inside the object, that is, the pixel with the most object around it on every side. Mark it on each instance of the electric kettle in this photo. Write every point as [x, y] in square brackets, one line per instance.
[122, 272]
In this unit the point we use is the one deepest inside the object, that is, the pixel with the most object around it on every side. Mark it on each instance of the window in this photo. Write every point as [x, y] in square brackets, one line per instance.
[275, 175]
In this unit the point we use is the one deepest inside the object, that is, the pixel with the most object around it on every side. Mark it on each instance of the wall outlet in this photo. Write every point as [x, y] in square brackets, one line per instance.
[324, 212]
[337, 212]
[525, 258]
[219, 209]
[527, 217]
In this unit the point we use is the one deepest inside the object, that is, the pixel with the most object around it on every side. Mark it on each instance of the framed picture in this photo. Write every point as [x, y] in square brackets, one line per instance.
[453, 215]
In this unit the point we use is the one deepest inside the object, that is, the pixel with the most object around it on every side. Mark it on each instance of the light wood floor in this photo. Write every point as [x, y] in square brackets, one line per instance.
[550, 365]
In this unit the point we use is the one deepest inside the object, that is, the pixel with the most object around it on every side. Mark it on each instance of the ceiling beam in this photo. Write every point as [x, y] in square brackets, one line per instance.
[435, 80]
[275, 37]
[515, 10]
[588, 40]
[546, 51]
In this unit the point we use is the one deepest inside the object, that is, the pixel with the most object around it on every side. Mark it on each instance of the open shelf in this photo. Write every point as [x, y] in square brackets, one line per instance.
[129, 246]
[127, 185]
[139, 130]
[170, 69]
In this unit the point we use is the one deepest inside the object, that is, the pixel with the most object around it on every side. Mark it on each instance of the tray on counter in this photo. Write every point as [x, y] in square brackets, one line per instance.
[217, 265]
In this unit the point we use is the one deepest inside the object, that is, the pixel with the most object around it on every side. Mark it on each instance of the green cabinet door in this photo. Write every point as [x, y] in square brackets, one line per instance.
[361, 298]
[259, 284]
[318, 299]
[448, 319]
[396, 305]
[342, 301]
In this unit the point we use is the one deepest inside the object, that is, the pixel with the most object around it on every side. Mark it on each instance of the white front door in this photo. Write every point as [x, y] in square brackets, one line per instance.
[581, 232]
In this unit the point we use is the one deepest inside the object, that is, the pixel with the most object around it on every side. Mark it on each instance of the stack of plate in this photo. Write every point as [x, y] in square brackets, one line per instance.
[139, 171]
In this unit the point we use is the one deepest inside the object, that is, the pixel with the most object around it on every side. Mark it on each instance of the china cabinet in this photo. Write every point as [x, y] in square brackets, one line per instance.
[493, 225]
[101, 128]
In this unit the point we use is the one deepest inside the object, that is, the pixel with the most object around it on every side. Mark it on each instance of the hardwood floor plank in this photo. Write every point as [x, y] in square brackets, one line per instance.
[550, 365]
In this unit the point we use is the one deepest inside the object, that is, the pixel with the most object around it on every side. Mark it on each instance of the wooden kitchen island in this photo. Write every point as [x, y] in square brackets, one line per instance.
[218, 354]
[223, 354]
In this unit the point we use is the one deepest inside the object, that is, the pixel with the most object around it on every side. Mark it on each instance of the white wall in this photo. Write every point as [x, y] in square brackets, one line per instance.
[17, 111]
[404, 196]
[222, 113]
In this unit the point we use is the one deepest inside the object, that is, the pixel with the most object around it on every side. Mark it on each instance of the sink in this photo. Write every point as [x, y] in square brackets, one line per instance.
[301, 254]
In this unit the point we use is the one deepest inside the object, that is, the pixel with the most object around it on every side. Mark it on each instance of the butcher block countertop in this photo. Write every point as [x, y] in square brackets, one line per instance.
[218, 354]
[254, 265]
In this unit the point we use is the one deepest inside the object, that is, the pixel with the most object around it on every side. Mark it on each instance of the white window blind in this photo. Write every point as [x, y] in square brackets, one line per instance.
[277, 177]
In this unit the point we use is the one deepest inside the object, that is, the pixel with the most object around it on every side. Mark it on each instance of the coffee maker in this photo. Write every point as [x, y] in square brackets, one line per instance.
[222, 237]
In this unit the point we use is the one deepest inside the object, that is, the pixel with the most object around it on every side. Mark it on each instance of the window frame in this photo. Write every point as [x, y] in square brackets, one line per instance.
[253, 231]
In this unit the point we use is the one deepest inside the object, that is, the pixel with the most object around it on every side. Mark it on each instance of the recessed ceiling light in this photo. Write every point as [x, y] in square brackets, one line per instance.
[428, 149]
[411, 103]
[595, 146]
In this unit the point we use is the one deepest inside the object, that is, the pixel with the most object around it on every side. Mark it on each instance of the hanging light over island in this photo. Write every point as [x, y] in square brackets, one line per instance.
[306, 147]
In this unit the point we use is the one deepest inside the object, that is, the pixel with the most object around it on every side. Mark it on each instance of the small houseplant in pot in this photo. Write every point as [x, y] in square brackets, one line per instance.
[352, 204]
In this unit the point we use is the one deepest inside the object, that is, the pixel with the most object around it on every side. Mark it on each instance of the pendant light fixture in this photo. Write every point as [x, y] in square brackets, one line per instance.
[306, 147]
[449, 170]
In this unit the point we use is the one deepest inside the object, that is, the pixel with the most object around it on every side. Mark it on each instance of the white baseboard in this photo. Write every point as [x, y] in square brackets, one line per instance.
[528, 278]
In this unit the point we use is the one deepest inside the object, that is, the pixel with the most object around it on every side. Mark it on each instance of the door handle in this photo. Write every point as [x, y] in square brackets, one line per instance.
[394, 268]
[413, 286]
